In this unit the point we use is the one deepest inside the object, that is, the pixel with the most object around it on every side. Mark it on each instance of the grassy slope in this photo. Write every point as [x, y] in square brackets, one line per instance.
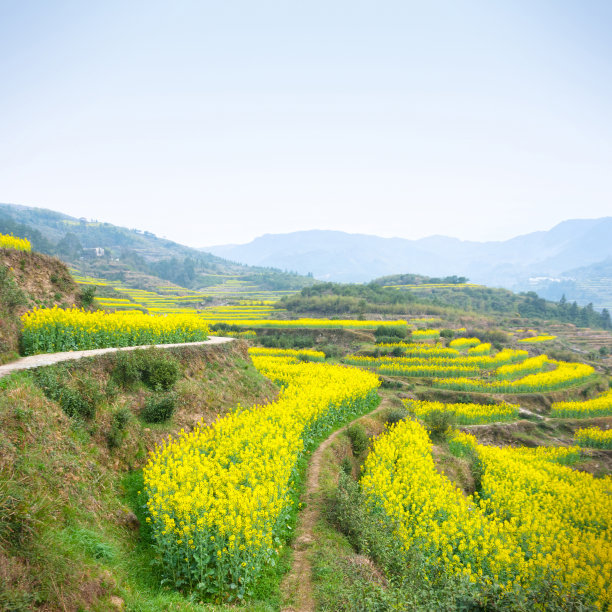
[135, 255]
[28, 280]
[70, 533]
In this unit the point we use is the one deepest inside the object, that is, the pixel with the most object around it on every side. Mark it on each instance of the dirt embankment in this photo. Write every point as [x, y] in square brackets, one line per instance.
[28, 280]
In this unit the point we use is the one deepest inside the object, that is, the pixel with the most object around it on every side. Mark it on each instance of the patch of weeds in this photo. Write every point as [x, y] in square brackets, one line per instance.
[89, 543]
[347, 466]
[78, 397]
[17, 515]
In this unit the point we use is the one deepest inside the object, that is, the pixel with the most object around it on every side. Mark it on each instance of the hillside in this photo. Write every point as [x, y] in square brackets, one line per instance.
[28, 280]
[338, 256]
[415, 294]
[140, 256]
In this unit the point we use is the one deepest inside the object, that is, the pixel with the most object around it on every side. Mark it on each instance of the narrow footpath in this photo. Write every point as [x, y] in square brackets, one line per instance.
[297, 584]
[45, 359]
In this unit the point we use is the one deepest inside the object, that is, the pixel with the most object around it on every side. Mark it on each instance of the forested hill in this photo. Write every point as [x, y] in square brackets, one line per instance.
[109, 251]
[413, 294]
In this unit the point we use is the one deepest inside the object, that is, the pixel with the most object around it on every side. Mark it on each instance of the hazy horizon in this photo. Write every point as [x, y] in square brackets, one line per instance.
[311, 229]
[214, 123]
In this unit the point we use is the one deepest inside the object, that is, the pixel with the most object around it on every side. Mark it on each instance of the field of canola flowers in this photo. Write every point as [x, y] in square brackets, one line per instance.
[536, 339]
[460, 343]
[220, 496]
[534, 521]
[564, 375]
[50, 330]
[465, 414]
[16, 244]
[507, 371]
[598, 406]
[437, 362]
[305, 354]
[173, 299]
[593, 437]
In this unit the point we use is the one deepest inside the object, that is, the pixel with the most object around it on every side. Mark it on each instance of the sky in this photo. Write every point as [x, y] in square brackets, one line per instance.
[216, 122]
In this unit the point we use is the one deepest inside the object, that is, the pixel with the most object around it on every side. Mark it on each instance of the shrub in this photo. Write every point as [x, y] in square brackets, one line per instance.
[358, 437]
[447, 333]
[159, 408]
[390, 331]
[159, 372]
[119, 421]
[87, 296]
[75, 404]
[347, 466]
[396, 415]
[126, 372]
[332, 351]
[437, 423]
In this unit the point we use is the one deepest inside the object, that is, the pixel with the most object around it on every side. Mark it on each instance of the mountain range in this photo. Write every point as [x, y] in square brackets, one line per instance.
[541, 261]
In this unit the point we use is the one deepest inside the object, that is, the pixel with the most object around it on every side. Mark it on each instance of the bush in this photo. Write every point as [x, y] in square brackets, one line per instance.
[395, 415]
[391, 331]
[347, 466]
[364, 528]
[332, 351]
[155, 369]
[86, 296]
[126, 372]
[158, 408]
[437, 423]
[160, 372]
[358, 437]
[119, 421]
[75, 404]
[447, 333]
[387, 383]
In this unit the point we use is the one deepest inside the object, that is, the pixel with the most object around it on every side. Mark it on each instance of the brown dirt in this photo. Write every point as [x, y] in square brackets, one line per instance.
[297, 585]
[41, 280]
[41, 277]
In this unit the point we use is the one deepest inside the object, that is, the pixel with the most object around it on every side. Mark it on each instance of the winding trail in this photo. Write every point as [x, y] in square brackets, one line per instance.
[45, 359]
[297, 584]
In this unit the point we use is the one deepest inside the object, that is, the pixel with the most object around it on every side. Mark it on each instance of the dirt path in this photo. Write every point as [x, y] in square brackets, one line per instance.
[36, 361]
[297, 584]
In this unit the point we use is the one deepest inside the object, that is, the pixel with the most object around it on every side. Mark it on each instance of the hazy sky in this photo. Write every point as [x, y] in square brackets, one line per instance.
[215, 122]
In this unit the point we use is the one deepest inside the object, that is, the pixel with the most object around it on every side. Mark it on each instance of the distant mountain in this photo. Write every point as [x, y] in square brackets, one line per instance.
[592, 283]
[338, 256]
[113, 252]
